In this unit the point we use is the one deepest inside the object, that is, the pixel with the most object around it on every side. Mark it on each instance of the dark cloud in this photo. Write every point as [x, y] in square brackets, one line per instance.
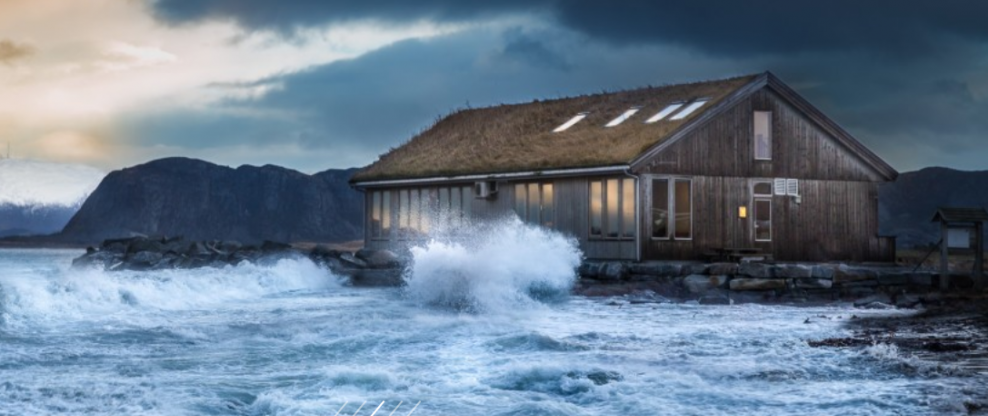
[11, 51]
[900, 29]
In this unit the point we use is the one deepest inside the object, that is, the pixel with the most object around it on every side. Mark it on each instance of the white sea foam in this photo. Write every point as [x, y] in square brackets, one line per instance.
[97, 294]
[501, 266]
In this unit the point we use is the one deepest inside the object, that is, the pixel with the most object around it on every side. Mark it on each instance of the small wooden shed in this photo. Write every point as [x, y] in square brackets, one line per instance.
[956, 228]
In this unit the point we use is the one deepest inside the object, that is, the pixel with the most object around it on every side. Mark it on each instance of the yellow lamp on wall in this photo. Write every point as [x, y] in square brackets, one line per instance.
[742, 212]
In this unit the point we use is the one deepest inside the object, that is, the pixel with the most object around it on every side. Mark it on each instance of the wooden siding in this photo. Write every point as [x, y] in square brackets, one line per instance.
[725, 147]
[571, 200]
[834, 220]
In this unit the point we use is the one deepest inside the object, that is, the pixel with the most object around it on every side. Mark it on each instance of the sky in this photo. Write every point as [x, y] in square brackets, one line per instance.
[320, 84]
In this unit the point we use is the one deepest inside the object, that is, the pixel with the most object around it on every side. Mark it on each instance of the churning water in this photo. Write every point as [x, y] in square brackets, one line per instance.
[480, 330]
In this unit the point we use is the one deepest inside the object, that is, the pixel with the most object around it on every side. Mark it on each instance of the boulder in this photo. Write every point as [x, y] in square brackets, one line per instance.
[742, 284]
[697, 283]
[794, 271]
[589, 270]
[144, 244]
[813, 283]
[379, 259]
[823, 272]
[759, 270]
[726, 269]
[656, 269]
[845, 274]
[352, 261]
[614, 271]
[269, 246]
[693, 268]
[878, 298]
[143, 260]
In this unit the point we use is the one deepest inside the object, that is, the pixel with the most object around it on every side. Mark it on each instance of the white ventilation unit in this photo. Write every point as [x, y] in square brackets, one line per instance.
[792, 187]
[779, 187]
[484, 189]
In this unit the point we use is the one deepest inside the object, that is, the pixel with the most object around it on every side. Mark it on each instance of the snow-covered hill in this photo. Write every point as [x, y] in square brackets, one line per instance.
[40, 197]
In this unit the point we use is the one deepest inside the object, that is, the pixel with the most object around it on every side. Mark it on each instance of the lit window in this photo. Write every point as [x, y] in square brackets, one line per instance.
[665, 112]
[689, 110]
[534, 203]
[763, 135]
[571, 122]
[612, 208]
[624, 116]
[762, 205]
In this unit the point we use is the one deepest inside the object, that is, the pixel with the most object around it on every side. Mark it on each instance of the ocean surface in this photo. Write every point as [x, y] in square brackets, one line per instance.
[480, 330]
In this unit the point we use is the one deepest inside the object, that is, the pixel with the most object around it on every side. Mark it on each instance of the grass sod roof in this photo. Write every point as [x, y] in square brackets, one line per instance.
[519, 137]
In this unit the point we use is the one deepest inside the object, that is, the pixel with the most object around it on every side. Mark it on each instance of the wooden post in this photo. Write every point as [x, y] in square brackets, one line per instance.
[979, 257]
[944, 272]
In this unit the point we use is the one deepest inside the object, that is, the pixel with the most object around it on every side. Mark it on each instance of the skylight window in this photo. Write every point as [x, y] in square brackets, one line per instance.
[624, 116]
[689, 110]
[665, 112]
[571, 122]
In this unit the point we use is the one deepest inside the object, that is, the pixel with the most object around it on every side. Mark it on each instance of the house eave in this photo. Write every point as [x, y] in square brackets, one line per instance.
[554, 173]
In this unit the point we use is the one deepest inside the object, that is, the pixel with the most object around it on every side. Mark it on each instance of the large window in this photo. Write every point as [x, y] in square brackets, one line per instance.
[763, 135]
[414, 211]
[762, 204]
[612, 208]
[535, 203]
[672, 209]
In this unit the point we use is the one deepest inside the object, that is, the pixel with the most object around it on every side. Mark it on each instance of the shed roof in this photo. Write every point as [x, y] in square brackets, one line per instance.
[955, 214]
[520, 137]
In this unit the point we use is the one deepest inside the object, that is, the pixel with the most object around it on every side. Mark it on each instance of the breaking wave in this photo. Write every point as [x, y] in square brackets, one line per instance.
[94, 294]
[501, 266]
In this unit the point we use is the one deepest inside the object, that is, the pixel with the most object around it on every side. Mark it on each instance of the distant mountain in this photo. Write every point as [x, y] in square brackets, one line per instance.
[40, 197]
[907, 205]
[203, 201]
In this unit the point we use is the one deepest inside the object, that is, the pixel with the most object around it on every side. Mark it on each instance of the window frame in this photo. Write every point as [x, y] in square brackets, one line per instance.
[755, 198]
[768, 134]
[620, 209]
[540, 193]
[671, 200]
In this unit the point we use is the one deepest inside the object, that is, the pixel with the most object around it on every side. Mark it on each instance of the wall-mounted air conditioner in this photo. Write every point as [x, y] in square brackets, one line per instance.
[485, 189]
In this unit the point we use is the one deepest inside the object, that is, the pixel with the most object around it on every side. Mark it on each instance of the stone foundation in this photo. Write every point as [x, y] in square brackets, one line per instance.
[725, 283]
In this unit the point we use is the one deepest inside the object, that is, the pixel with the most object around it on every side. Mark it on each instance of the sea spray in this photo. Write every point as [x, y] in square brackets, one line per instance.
[494, 266]
[93, 294]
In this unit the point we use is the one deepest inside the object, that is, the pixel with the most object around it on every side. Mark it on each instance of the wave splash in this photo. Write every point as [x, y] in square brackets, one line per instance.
[501, 265]
[94, 294]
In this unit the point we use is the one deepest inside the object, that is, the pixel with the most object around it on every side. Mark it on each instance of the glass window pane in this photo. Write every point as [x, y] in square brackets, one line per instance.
[386, 214]
[520, 205]
[613, 216]
[403, 210]
[376, 214]
[596, 208]
[467, 202]
[628, 207]
[763, 219]
[684, 210]
[533, 203]
[660, 208]
[763, 135]
[763, 188]
[548, 206]
[455, 207]
[414, 210]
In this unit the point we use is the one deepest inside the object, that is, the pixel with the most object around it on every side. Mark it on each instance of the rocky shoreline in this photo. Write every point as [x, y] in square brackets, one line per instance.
[364, 267]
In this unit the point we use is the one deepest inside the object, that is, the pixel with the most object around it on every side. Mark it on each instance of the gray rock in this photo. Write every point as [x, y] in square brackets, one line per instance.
[794, 271]
[823, 272]
[846, 274]
[656, 269]
[352, 261]
[758, 270]
[379, 259]
[813, 283]
[921, 279]
[698, 283]
[144, 259]
[693, 268]
[741, 284]
[727, 269]
[907, 300]
[614, 271]
[588, 269]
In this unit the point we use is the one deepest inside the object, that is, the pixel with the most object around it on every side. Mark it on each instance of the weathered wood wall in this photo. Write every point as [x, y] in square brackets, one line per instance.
[836, 219]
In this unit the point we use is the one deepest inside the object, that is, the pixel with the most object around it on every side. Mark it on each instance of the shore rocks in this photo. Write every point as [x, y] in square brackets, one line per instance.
[143, 253]
[757, 284]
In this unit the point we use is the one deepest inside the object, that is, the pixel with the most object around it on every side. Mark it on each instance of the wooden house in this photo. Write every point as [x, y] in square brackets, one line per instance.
[670, 172]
